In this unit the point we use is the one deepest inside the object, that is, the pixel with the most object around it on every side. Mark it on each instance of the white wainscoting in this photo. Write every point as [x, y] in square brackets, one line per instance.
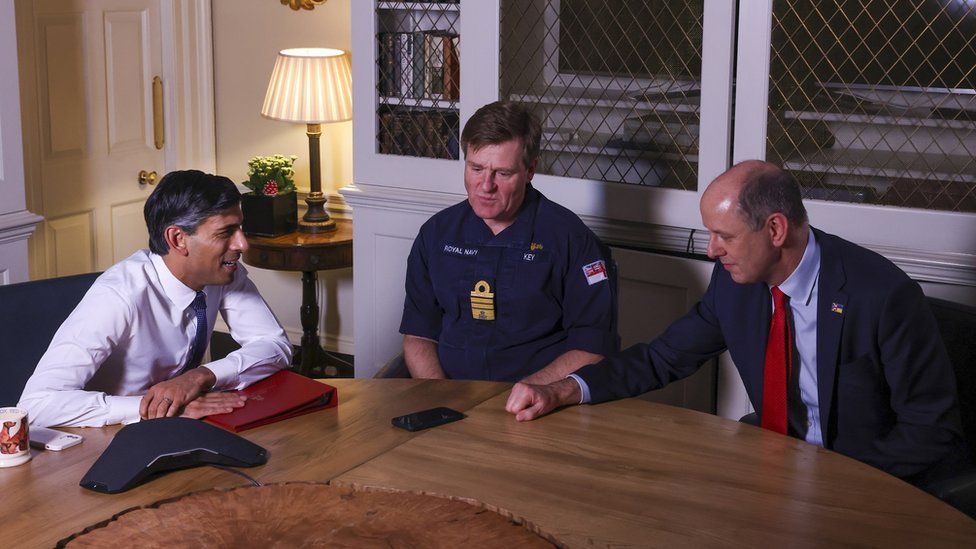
[655, 290]
[16, 223]
[13, 262]
[386, 223]
[15, 228]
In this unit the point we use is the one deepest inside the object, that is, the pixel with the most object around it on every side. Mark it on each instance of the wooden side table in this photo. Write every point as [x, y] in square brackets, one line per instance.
[307, 253]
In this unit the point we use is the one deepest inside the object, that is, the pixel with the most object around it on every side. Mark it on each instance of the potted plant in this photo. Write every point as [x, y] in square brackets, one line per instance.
[271, 208]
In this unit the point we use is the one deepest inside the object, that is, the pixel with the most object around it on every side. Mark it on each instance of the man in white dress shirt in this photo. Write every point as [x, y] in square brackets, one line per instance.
[132, 347]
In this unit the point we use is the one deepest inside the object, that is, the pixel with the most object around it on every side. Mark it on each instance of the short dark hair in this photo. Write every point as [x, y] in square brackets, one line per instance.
[186, 199]
[768, 191]
[503, 121]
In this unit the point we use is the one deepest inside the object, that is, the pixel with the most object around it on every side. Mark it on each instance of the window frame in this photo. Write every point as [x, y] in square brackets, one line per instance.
[926, 235]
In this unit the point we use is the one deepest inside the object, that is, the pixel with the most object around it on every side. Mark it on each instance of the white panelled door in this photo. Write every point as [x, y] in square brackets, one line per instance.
[93, 67]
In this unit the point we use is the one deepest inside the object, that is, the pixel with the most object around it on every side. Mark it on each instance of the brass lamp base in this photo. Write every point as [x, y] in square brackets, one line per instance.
[316, 219]
[319, 227]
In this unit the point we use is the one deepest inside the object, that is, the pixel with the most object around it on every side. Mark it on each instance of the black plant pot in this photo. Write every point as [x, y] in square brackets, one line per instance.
[269, 215]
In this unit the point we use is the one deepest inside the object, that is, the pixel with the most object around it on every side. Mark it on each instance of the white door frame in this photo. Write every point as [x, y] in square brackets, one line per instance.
[16, 223]
[187, 32]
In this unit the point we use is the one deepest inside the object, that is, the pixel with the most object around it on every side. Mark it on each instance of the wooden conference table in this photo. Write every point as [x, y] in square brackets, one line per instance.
[623, 473]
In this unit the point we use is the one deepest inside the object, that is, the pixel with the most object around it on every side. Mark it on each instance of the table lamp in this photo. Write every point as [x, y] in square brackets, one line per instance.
[313, 86]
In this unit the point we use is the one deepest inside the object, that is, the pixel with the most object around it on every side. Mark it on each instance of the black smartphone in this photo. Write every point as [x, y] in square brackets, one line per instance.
[418, 421]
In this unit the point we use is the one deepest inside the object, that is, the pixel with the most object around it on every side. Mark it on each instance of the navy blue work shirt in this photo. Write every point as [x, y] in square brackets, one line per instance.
[550, 276]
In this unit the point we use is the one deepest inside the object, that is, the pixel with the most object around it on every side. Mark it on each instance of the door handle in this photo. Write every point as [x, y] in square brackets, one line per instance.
[159, 128]
[147, 178]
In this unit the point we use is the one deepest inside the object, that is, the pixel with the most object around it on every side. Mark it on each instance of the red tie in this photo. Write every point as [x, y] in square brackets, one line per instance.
[779, 363]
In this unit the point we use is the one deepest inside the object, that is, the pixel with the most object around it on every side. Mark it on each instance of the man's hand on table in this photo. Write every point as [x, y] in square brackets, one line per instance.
[167, 398]
[528, 402]
[209, 404]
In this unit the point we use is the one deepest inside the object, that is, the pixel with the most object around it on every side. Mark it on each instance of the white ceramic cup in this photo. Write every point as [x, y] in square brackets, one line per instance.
[14, 441]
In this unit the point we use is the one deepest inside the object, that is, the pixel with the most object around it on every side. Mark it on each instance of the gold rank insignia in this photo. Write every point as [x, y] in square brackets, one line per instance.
[482, 301]
[535, 246]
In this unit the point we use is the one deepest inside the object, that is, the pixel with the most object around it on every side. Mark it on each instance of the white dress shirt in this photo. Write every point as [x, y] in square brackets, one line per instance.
[132, 330]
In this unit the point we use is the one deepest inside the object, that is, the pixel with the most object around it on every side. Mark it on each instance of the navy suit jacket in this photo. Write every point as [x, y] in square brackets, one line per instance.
[886, 388]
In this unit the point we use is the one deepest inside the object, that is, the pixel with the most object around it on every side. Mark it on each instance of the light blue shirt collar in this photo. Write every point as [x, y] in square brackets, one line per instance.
[799, 285]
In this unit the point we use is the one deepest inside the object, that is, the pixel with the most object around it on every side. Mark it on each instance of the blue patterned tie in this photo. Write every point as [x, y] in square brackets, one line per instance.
[200, 339]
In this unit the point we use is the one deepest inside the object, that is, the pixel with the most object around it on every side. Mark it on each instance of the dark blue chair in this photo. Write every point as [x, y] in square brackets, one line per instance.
[957, 326]
[30, 314]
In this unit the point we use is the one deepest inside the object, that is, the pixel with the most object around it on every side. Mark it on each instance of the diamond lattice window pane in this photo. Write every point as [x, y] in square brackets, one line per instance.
[614, 82]
[418, 79]
[873, 100]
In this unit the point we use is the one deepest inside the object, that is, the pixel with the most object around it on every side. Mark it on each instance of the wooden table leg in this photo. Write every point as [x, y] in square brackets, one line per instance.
[311, 350]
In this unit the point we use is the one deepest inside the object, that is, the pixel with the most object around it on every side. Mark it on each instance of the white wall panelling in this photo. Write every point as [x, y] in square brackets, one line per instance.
[14, 231]
[13, 262]
[16, 223]
[655, 290]
[387, 220]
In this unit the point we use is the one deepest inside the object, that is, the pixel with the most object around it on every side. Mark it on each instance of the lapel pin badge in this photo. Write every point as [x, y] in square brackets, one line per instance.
[837, 308]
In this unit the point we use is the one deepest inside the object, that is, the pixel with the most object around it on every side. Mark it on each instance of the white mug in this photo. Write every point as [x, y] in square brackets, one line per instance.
[14, 439]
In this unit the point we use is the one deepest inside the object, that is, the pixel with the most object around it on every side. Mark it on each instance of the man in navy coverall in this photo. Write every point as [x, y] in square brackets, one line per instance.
[506, 285]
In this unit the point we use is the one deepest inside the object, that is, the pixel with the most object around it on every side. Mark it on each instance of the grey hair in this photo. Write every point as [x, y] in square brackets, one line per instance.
[769, 191]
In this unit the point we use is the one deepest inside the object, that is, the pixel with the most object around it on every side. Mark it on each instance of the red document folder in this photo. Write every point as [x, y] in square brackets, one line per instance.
[280, 396]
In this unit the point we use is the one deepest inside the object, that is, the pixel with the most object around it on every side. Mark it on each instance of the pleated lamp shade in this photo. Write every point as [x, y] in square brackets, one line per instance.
[310, 85]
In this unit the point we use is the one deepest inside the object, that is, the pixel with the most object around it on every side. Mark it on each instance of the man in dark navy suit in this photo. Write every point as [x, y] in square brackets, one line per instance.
[834, 343]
